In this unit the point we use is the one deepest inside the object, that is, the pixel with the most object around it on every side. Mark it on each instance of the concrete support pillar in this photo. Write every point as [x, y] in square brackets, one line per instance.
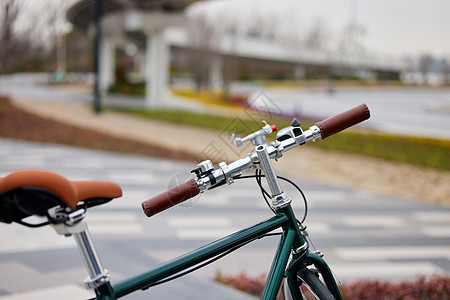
[299, 72]
[139, 62]
[215, 73]
[156, 68]
[107, 65]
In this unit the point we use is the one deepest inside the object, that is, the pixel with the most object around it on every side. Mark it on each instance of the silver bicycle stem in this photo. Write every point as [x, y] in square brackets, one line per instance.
[266, 166]
[279, 198]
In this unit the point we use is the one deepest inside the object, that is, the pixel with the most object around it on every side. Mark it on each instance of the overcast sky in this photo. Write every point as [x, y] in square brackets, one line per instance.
[393, 27]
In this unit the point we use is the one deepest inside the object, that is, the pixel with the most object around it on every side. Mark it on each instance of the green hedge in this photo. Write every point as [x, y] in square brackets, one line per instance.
[424, 152]
[431, 153]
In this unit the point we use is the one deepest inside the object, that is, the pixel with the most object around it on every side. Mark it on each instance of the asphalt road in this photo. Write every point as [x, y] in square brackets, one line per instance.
[363, 235]
[411, 111]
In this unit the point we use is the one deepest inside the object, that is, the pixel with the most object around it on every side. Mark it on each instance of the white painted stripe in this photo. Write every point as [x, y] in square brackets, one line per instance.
[432, 216]
[61, 292]
[26, 161]
[384, 253]
[384, 270]
[317, 228]
[373, 221]
[83, 163]
[100, 217]
[436, 231]
[114, 223]
[116, 229]
[203, 234]
[198, 221]
[262, 204]
[322, 196]
[213, 201]
[242, 192]
[134, 177]
[23, 239]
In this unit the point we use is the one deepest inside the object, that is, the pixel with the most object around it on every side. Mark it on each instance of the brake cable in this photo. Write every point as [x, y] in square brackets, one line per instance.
[266, 195]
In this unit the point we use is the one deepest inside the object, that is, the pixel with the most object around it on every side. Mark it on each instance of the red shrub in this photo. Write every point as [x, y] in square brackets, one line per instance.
[253, 286]
[436, 287]
[433, 288]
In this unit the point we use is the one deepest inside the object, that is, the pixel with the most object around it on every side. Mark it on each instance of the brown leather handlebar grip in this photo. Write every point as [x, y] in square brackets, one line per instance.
[343, 120]
[170, 198]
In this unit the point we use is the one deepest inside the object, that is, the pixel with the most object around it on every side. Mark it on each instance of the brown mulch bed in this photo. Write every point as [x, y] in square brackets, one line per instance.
[18, 124]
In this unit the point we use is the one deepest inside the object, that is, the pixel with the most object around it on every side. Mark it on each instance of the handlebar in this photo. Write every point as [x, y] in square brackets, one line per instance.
[287, 138]
[170, 198]
[343, 120]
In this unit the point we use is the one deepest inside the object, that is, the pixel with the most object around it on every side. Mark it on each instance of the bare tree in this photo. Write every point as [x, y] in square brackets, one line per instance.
[445, 69]
[202, 36]
[426, 62]
[263, 26]
[56, 27]
[317, 36]
[29, 33]
[79, 49]
[351, 40]
[8, 43]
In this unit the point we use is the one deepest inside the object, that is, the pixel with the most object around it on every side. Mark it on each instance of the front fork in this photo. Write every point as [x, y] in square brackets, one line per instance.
[307, 259]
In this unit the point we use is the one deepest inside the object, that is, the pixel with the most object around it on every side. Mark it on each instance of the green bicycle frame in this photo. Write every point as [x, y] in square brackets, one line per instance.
[291, 239]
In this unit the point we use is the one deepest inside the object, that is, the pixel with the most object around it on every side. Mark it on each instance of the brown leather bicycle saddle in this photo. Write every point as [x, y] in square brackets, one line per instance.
[32, 192]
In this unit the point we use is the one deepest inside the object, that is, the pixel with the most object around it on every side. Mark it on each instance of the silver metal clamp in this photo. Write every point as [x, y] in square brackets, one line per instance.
[257, 138]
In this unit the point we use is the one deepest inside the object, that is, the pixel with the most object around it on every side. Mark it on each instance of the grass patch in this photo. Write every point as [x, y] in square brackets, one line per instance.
[218, 98]
[430, 153]
[201, 120]
[326, 83]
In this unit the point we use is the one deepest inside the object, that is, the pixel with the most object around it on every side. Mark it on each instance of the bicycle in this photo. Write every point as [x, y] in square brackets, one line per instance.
[64, 203]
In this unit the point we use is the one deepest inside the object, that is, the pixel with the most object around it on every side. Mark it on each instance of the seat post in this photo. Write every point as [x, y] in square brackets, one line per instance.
[77, 226]
[97, 275]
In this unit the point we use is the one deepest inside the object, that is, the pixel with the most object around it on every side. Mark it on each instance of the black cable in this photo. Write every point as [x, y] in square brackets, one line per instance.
[265, 194]
[305, 202]
[31, 225]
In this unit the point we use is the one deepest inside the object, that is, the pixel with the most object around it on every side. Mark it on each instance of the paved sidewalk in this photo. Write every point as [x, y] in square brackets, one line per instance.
[363, 234]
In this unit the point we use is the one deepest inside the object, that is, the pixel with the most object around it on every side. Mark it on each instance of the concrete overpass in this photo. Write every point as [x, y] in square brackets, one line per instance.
[149, 25]
[268, 50]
